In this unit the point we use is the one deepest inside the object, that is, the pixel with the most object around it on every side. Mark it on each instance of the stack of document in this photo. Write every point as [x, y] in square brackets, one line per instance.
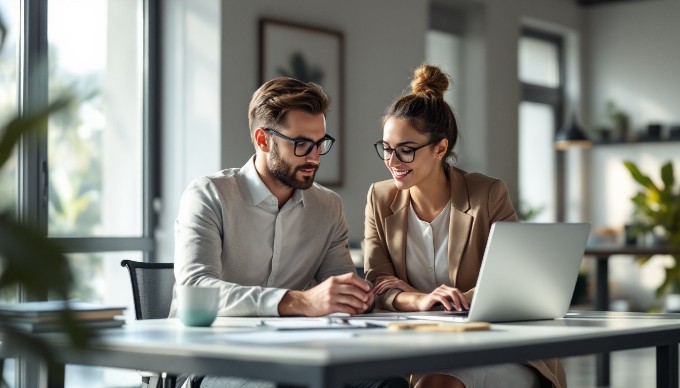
[40, 317]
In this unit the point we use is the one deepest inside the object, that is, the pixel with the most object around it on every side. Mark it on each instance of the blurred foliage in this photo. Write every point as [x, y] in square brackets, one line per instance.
[27, 257]
[657, 211]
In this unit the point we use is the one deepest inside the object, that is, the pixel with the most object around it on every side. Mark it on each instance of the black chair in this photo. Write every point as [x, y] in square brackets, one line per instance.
[152, 285]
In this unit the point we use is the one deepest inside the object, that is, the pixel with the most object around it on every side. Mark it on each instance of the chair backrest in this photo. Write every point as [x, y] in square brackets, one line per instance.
[152, 285]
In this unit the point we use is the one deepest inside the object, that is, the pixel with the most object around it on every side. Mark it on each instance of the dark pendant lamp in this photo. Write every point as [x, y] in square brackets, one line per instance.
[572, 135]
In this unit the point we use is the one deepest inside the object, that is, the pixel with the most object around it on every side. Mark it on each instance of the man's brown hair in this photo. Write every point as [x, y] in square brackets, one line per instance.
[275, 98]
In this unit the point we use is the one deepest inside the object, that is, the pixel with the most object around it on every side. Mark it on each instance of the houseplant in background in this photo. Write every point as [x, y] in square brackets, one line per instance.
[657, 213]
[619, 120]
[28, 258]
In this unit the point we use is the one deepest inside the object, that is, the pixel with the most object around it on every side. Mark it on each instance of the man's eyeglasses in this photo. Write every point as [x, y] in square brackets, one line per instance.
[302, 147]
[404, 153]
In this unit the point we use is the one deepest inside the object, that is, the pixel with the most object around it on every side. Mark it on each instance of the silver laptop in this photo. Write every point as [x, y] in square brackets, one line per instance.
[529, 273]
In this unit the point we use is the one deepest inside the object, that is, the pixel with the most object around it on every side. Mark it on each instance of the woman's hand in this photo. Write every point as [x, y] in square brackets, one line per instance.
[386, 283]
[451, 298]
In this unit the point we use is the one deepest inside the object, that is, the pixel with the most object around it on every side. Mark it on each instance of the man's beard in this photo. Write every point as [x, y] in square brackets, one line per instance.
[285, 173]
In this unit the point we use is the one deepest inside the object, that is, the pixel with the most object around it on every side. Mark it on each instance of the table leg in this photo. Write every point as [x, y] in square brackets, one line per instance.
[602, 304]
[56, 374]
[602, 284]
[667, 366]
[602, 369]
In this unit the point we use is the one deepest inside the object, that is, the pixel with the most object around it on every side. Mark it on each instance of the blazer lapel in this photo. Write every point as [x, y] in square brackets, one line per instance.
[395, 232]
[460, 222]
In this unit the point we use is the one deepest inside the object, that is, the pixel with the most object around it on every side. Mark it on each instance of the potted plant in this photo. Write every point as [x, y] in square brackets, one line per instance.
[657, 212]
[603, 134]
[619, 119]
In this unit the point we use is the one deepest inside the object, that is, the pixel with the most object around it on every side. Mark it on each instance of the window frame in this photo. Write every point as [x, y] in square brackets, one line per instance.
[553, 97]
[32, 166]
[32, 152]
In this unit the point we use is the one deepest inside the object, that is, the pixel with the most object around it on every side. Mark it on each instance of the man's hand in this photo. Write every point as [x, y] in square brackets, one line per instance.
[346, 293]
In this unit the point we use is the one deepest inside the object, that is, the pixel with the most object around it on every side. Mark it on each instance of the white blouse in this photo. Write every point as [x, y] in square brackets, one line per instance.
[427, 263]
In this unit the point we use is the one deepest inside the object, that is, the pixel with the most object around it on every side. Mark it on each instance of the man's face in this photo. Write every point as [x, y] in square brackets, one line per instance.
[297, 172]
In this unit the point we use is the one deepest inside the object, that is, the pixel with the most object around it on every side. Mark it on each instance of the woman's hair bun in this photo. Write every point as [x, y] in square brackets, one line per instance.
[429, 79]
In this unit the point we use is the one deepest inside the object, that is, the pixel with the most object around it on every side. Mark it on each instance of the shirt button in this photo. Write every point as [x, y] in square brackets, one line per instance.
[430, 269]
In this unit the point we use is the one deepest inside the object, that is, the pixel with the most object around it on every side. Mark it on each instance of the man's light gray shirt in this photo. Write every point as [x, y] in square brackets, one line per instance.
[230, 233]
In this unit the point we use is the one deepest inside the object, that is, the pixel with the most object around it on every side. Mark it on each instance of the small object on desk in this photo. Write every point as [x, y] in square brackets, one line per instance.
[45, 316]
[197, 305]
[52, 326]
[51, 310]
[327, 322]
[431, 326]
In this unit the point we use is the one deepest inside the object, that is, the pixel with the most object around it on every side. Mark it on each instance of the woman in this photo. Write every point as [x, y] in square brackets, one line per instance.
[426, 229]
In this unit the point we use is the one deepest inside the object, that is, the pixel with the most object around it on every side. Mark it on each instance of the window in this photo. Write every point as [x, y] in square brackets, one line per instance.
[95, 165]
[540, 114]
[95, 155]
[443, 47]
[9, 12]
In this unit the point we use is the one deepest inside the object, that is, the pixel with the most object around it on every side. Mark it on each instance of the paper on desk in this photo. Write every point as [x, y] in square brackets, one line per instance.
[288, 336]
[313, 323]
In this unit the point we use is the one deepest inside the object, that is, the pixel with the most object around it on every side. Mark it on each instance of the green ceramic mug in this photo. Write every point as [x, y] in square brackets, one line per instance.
[196, 305]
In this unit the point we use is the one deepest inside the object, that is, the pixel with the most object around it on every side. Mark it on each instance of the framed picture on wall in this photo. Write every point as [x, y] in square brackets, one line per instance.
[310, 54]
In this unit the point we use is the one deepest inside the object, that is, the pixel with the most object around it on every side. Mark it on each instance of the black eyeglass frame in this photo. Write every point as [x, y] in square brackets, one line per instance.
[393, 151]
[312, 143]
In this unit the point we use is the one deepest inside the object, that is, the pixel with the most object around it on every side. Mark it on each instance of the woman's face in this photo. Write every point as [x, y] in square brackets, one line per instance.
[399, 135]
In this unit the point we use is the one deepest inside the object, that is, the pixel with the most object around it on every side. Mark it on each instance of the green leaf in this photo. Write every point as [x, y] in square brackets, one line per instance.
[24, 251]
[667, 176]
[643, 259]
[661, 290]
[12, 131]
[642, 179]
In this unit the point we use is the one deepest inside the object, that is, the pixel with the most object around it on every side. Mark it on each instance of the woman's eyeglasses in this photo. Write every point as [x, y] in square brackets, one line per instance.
[404, 153]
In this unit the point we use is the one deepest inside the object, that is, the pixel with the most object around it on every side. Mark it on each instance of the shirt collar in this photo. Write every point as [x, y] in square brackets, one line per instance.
[259, 191]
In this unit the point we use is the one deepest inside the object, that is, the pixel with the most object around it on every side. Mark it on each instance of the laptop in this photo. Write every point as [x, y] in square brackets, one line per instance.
[529, 272]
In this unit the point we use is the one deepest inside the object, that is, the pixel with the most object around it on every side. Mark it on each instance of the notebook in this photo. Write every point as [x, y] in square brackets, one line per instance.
[529, 272]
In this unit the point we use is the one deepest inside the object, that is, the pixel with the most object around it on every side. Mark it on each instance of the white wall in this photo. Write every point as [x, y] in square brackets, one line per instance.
[633, 58]
[191, 128]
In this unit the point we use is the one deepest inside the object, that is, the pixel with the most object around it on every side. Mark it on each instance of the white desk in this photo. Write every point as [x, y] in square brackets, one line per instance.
[165, 345]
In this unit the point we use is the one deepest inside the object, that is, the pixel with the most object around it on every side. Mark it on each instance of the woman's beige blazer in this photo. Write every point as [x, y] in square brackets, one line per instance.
[477, 201]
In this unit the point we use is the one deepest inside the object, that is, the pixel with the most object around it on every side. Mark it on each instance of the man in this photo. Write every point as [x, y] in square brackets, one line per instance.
[274, 242]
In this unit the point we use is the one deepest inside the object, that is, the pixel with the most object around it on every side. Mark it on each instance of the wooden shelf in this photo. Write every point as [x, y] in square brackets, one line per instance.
[641, 141]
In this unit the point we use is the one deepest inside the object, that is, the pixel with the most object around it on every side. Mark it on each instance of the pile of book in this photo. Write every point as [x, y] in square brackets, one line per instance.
[40, 317]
